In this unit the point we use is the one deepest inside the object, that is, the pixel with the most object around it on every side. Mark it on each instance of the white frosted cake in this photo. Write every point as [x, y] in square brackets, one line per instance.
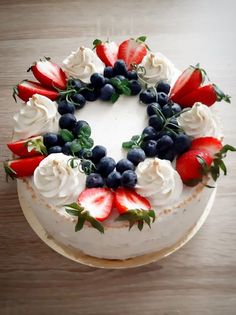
[118, 151]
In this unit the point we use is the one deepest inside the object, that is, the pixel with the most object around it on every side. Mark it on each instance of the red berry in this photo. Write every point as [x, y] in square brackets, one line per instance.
[210, 144]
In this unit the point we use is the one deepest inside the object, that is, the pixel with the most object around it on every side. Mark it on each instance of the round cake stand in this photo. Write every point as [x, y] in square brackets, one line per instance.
[80, 257]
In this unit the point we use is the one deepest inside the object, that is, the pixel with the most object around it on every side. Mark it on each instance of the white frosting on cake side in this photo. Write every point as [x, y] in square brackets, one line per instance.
[39, 115]
[57, 181]
[159, 182]
[200, 121]
[82, 63]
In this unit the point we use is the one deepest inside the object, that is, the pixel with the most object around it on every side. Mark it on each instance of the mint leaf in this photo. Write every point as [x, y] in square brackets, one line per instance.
[66, 135]
[75, 146]
[142, 38]
[85, 131]
[115, 97]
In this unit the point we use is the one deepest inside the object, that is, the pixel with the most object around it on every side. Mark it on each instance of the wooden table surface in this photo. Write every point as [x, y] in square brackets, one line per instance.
[198, 279]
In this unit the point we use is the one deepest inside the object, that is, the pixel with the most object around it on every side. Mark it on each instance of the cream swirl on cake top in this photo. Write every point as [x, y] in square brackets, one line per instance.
[57, 181]
[82, 63]
[39, 115]
[200, 121]
[158, 181]
[158, 68]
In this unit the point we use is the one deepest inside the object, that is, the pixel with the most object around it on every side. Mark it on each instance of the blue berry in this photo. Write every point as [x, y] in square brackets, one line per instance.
[66, 149]
[147, 96]
[157, 122]
[106, 92]
[124, 165]
[108, 72]
[163, 87]
[176, 108]
[97, 80]
[136, 156]
[167, 155]
[65, 107]
[90, 94]
[79, 124]
[55, 149]
[87, 166]
[152, 109]
[113, 180]
[132, 75]
[120, 77]
[78, 100]
[98, 152]
[94, 180]
[182, 143]
[167, 110]
[173, 124]
[50, 139]
[106, 165]
[67, 121]
[120, 68]
[149, 133]
[166, 133]
[164, 143]
[135, 87]
[162, 98]
[150, 148]
[75, 84]
[84, 153]
[129, 179]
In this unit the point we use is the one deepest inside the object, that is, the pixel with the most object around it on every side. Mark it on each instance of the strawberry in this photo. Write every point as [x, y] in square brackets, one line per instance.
[210, 144]
[192, 165]
[187, 82]
[49, 74]
[22, 167]
[132, 51]
[106, 51]
[28, 147]
[133, 207]
[207, 95]
[27, 88]
[94, 206]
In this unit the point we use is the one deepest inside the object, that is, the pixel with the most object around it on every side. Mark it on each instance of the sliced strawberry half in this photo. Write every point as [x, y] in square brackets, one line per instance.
[27, 89]
[187, 82]
[106, 51]
[210, 144]
[132, 51]
[49, 74]
[28, 147]
[22, 167]
[207, 95]
[133, 208]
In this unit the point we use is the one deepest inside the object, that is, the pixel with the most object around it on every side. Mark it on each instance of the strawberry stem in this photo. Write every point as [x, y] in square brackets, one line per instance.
[221, 95]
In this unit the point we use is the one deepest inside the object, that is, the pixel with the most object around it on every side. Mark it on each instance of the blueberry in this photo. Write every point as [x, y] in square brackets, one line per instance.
[152, 109]
[176, 108]
[65, 107]
[149, 133]
[124, 165]
[157, 122]
[106, 165]
[182, 143]
[66, 148]
[120, 68]
[129, 179]
[149, 147]
[79, 124]
[97, 80]
[167, 110]
[120, 77]
[106, 92]
[87, 166]
[162, 98]
[98, 152]
[75, 84]
[173, 124]
[84, 153]
[135, 87]
[113, 180]
[50, 139]
[55, 149]
[89, 93]
[163, 87]
[166, 133]
[94, 180]
[78, 100]
[164, 143]
[147, 96]
[136, 156]
[67, 121]
[108, 72]
[167, 155]
[132, 75]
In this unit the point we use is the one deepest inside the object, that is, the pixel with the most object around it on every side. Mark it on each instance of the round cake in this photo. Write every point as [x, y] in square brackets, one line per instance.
[116, 151]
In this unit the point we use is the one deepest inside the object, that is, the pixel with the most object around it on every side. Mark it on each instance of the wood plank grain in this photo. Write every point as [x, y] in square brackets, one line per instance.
[198, 279]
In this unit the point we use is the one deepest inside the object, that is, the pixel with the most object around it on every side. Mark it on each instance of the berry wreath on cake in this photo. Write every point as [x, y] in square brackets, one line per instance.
[117, 151]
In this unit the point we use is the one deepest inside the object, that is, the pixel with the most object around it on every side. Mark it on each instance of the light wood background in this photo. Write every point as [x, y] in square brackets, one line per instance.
[198, 279]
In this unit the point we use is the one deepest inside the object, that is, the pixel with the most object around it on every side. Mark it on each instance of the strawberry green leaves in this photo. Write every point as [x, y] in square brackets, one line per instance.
[139, 217]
